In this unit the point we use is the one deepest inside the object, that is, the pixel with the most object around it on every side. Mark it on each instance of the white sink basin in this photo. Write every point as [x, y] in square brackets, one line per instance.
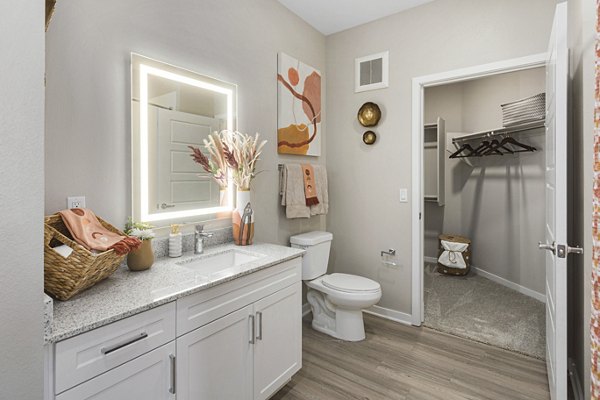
[219, 263]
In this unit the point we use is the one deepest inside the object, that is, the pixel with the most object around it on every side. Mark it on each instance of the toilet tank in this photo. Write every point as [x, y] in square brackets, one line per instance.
[317, 245]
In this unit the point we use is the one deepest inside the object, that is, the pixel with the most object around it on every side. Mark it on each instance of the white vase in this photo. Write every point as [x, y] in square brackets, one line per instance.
[242, 237]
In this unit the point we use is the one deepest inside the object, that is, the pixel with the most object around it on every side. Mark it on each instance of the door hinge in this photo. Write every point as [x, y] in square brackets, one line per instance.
[419, 216]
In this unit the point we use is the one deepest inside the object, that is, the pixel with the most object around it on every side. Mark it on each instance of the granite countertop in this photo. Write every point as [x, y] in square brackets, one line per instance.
[126, 293]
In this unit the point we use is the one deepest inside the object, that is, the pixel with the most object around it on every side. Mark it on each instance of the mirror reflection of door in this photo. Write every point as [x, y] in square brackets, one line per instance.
[182, 184]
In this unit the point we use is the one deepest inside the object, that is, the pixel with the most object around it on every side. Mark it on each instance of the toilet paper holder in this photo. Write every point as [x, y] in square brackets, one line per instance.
[390, 252]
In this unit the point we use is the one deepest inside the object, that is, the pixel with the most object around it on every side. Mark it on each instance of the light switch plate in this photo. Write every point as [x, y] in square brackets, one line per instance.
[403, 195]
[75, 202]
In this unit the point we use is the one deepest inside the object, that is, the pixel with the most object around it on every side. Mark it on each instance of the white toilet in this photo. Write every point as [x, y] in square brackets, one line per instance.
[336, 300]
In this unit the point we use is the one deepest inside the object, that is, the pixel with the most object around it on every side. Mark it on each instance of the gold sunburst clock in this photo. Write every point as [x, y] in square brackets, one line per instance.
[369, 114]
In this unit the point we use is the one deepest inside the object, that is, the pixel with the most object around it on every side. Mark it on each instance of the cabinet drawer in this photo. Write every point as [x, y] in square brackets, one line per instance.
[87, 355]
[149, 377]
[206, 306]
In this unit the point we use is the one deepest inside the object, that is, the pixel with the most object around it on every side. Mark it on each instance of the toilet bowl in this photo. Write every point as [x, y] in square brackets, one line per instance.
[337, 308]
[336, 300]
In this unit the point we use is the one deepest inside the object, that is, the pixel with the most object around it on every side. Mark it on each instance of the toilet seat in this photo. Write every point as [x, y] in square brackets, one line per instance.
[350, 283]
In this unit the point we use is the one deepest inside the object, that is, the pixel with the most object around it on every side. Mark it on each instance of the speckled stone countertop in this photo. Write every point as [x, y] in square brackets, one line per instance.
[126, 293]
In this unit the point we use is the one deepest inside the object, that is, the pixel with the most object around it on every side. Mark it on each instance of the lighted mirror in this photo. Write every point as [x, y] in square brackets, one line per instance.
[172, 109]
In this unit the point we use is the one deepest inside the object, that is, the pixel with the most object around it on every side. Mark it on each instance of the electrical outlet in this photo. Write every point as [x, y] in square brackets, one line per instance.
[76, 202]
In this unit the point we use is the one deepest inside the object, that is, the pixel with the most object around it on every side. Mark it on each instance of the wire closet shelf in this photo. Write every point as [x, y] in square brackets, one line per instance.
[489, 143]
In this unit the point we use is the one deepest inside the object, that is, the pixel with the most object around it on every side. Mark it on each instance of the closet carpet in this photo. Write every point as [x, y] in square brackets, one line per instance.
[479, 309]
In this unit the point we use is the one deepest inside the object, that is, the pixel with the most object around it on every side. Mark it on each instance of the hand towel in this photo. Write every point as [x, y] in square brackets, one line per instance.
[322, 191]
[293, 196]
[89, 232]
[292, 190]
[310, 189]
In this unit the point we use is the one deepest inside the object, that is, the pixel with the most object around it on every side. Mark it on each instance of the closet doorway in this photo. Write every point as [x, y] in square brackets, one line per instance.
[482, 212]
[518, 207]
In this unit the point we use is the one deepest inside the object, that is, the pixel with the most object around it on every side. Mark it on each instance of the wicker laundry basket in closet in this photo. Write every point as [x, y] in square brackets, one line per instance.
[443, 269]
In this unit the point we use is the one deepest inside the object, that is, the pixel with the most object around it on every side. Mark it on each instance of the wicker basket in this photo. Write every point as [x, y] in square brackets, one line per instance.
[443, 269]
[65, 277]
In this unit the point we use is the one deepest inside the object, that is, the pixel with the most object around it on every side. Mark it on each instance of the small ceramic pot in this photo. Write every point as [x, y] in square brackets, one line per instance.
[142, 258]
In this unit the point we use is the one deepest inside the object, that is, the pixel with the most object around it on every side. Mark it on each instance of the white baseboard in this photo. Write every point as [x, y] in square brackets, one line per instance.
[390, 314]
[305, 309]
[515, 286]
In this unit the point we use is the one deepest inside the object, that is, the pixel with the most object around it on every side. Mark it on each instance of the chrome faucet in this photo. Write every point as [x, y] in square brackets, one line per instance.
[199, 239]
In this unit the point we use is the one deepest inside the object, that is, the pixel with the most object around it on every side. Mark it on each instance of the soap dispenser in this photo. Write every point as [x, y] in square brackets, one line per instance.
[175, 242]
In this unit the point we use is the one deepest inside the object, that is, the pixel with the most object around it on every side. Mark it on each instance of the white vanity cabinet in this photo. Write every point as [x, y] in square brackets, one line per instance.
[241, 339]
[249, 353]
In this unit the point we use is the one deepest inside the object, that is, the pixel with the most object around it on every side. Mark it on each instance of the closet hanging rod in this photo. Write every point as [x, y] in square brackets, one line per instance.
[500, 131]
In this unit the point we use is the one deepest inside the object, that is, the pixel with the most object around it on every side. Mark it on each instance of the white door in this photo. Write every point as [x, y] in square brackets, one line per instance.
[181, 183]
[278, 340]
[148, 377]
[214, 362]
[557, 75]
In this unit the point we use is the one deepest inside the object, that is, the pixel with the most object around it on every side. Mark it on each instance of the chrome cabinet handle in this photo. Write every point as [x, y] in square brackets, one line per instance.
[253, 330]
[165, 205]
[120, 345]
[173, 372]
[260, 325]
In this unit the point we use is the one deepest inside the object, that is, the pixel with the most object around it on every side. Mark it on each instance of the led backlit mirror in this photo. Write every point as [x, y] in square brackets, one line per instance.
[173, 108]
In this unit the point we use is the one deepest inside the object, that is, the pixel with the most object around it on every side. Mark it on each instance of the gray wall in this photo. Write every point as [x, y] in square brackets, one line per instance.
[88, 122]
[581, 42]
[495, 202]
[364, 181]
[21, 197]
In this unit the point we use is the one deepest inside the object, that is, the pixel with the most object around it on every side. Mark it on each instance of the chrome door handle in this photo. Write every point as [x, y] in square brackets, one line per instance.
[120, 345]
[253, 330]
[574, 250]
[545, 246]
[259, 315]
[172, 359]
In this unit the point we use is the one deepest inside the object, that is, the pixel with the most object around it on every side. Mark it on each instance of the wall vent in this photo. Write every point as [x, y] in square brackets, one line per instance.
[371, 72]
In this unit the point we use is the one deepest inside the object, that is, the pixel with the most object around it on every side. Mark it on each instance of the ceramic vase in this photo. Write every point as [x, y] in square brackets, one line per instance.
[142, 258]
[243, 228]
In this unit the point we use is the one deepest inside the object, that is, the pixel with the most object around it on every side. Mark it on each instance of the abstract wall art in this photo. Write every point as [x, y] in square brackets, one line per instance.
[298, 107]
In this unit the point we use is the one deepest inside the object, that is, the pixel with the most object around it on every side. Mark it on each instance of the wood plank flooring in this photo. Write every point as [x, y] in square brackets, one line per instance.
[399, 362]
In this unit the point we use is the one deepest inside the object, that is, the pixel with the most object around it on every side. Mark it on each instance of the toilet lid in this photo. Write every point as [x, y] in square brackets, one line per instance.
[350, 283]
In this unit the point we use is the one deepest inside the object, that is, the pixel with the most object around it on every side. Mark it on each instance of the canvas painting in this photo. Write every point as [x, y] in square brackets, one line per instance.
[298, 107]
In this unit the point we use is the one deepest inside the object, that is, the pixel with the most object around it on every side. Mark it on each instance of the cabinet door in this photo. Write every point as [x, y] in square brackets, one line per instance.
[278, 348]
[148, 377]
[214, 362]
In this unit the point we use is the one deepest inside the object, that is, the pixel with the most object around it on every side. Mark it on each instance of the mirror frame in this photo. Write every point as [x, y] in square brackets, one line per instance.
[140, 160]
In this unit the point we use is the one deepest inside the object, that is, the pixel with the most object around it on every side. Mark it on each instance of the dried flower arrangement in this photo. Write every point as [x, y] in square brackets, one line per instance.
[216, 164]
[242, 152]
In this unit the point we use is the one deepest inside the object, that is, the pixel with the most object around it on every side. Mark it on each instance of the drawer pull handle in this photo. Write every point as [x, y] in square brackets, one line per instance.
[173, 372]
[259, 315]
[253, 329]
[127, 342]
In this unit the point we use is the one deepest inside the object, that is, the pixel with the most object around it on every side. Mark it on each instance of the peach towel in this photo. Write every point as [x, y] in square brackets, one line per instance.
[89, 232]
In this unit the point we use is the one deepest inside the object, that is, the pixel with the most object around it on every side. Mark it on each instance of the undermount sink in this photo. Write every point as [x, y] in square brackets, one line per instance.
[221, 262]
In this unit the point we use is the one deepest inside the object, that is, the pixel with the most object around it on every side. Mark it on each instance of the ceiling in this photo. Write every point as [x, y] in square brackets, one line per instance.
[331, 16]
